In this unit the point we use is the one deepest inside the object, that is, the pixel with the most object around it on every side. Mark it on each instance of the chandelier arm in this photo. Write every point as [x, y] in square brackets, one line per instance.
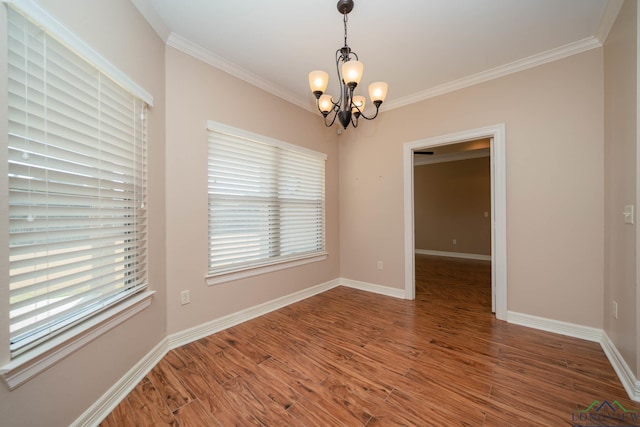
[340, 80]
[334, 108]
[377, 103]
[335, 114]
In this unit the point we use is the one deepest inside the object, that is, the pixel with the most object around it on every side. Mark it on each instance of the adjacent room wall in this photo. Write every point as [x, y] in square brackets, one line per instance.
[197, 92]
[59, 395]
[621, 183]
[450, 200]
[553, 116]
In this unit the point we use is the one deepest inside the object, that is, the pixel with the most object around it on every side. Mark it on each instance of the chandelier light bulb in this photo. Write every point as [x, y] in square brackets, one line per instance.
[352, 72]
[325, 103]
[378, 91]
[318, 81]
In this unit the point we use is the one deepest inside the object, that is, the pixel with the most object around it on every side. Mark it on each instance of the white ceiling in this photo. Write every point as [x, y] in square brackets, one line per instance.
[422, 48]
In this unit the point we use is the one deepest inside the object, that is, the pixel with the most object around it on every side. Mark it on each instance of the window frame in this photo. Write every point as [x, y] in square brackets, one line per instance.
[270, 264]
[32, 361]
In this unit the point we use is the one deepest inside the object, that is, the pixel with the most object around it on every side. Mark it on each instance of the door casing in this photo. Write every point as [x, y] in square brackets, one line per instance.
[498, 208]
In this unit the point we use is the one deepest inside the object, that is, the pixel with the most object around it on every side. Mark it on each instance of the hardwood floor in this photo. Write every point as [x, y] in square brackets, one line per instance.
[351, 358]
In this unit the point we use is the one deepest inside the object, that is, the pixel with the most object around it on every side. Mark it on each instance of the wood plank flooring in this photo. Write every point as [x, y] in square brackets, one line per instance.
[352, 358]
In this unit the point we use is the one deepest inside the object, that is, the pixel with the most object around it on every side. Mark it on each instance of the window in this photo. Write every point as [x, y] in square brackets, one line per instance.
[266, 201]
[77, 187]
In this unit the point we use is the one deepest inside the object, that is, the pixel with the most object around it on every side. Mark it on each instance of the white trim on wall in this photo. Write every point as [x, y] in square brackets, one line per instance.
[373, 288]
[611, 11]
[108, 401]
[555, 326]
[192, 49]
[192, 334]
[112, 398]
[630, 383]
[26, 366]
[555, 54]
[498, 211]
[43, 19]
[561, 52]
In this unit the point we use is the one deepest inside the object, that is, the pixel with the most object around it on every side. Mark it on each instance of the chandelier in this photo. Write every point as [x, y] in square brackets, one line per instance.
[349, 107]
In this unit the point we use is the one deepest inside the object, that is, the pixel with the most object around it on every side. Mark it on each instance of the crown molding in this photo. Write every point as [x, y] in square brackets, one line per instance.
[151, 16]
[199, 52]
[67, 37]
[611, 11]
[494, 73]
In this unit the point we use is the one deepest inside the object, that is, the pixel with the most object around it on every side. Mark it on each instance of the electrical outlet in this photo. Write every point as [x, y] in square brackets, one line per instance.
[628, 214]
[615, 310]
[185, 297]
[380, 265]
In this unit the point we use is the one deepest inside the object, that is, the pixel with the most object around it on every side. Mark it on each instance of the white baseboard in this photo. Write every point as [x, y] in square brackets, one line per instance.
[625, 374]
[453, 254]
[370, 287]
[192, 334]
[630, 383]
[555, 326]
[107, 403]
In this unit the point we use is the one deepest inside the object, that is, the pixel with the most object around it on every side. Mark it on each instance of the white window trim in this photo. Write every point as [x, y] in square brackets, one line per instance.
[68, 38]
[29, 364]
[268, 266]
[241, 133]
[256, 270]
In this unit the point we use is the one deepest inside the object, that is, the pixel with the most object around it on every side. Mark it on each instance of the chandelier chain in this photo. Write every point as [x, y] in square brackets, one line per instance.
[345, 28]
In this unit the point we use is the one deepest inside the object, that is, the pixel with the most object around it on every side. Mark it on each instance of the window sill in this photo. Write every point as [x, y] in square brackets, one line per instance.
[29, 364]
[216, 279]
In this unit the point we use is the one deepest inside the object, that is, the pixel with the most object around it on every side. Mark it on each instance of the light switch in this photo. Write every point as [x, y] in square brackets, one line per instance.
[628, 214]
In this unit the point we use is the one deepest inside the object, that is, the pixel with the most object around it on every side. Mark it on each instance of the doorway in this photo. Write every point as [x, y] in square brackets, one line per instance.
[496, 135]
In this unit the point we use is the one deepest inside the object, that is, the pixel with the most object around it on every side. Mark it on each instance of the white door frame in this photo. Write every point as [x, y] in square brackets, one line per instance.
[498, 208]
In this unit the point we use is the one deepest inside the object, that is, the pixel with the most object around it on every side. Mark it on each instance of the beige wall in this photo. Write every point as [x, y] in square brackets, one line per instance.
[554, 119]
[554, 148]
[197, 92]
[60, 394]
[450, 200]
[621, 183]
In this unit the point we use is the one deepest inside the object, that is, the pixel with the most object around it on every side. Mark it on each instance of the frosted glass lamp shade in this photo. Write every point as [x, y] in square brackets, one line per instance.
[325, 103]
[352, 72]
[358, 101]
[318, 81]
[378, 91]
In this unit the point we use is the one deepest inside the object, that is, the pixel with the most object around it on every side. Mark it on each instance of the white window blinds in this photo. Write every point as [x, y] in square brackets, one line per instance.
[77, 160]
[266, 201]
